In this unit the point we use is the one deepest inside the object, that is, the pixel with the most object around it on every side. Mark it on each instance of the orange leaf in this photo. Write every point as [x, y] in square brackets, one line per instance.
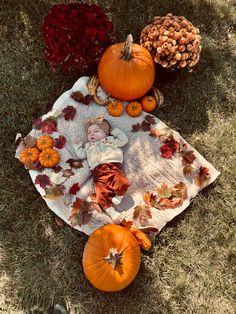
[142, 213]
[188, 170]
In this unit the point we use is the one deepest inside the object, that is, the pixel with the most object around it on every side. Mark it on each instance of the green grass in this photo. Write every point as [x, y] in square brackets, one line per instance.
[192, 266]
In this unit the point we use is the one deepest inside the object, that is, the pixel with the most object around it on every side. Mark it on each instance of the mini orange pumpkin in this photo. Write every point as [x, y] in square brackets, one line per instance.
[44, 141]
[148, 103]
[111, 258]
[49, 157]
[115, 108]
[134, 109]
[29, 155]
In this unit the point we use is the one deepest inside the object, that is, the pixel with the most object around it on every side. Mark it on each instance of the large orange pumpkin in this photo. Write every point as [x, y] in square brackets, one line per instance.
[126, 71]
[111, 258]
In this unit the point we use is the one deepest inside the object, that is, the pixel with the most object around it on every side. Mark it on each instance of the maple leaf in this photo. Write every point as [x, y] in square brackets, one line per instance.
[145, 126]
[170, 147]
[203, 177]
[80, 213]
[164, 134]
[60, 142]
[49, 126]
[188, 170]
[150, 119]
[154, 132]
[74, 188]
[43, 180]
[57, 169]
[29, 141]
[180, 191]
[164, 191]
[75, 163]
[78, 96]
[142, 213]
[149, 198]
[33, 165]
[68, 173]
[126, 224]
[69, 113]
[188, 157]
[52, 192]
[37, 123]
[165, 203]
[136, 127]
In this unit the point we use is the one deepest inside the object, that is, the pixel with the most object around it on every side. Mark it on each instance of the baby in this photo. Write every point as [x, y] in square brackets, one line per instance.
[104, 156]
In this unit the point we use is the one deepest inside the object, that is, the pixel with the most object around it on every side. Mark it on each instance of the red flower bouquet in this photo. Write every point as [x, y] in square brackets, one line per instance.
[75, 36]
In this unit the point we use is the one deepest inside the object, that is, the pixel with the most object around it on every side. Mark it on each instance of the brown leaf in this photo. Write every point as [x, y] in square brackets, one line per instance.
[180, 191]
[54, 191]
[154, 132]
[68, 173]
[59, 222]
[80, 213]
[142, 213]
[69, 113]
[164, 134]
[203, 177]
[60, 142]
[57, 169]
[37, 123]
[149, 119]
[145, 126]
[136, 127]
[75, 163]
[43, 180]
[188, 170]
[29, 141]
[126, 224]
[150, 198]
[188, 157]
[78, 96]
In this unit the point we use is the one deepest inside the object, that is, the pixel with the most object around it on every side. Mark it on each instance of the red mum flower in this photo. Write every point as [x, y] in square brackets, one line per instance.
[69, 32]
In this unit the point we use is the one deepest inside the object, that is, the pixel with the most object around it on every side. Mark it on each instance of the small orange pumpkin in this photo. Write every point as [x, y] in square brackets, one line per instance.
[29, 155]
[134, 109]
[126, 71]
[44, 141]
[111, 258]
[115, 108]
[49, 157]
[148, 103]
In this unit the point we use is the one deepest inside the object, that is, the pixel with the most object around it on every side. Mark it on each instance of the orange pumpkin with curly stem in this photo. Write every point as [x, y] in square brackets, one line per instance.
[126, 70]
[29, 155]
[111, 258]
[148, 103]
[49, 157]
[134, 109]
[115, 108]
[44, 141]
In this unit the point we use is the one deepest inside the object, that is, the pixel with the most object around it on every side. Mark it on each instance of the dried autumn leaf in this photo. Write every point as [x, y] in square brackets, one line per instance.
[80, 213]
[136, 127]
[33, 165]
[150, 119]
[57, 177]
[43, 180]
[29, 141]
[170, 147]
[165, 203]
[59, 222]
[74, 188]
[57, 169]
[150, 198]
[188, 157]
[188, 170]
[164, 191]
[49, 126]
[145, 126]
[126, 224]
[75, 163]
[154, 132]
[180, 191]
[60, 142]
[203, 177]
[142, 213]
[37, 124]
[77, 95]
[164, 134]
[69, 113]
[68, 173]
[52, 192]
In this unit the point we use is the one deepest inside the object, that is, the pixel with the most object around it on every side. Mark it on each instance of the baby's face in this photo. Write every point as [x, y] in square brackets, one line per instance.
[95, 133]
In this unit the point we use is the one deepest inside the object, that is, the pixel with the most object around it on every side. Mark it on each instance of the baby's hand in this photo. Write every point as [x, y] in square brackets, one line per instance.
[78, 140]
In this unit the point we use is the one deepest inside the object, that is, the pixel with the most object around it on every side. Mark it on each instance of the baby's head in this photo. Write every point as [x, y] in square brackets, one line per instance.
[97, 130]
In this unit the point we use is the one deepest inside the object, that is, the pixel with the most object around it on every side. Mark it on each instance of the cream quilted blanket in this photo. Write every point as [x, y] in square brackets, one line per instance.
[165, 172]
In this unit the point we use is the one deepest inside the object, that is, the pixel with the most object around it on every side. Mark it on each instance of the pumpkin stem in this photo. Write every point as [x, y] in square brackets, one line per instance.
[127, 53]
[114, 258]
